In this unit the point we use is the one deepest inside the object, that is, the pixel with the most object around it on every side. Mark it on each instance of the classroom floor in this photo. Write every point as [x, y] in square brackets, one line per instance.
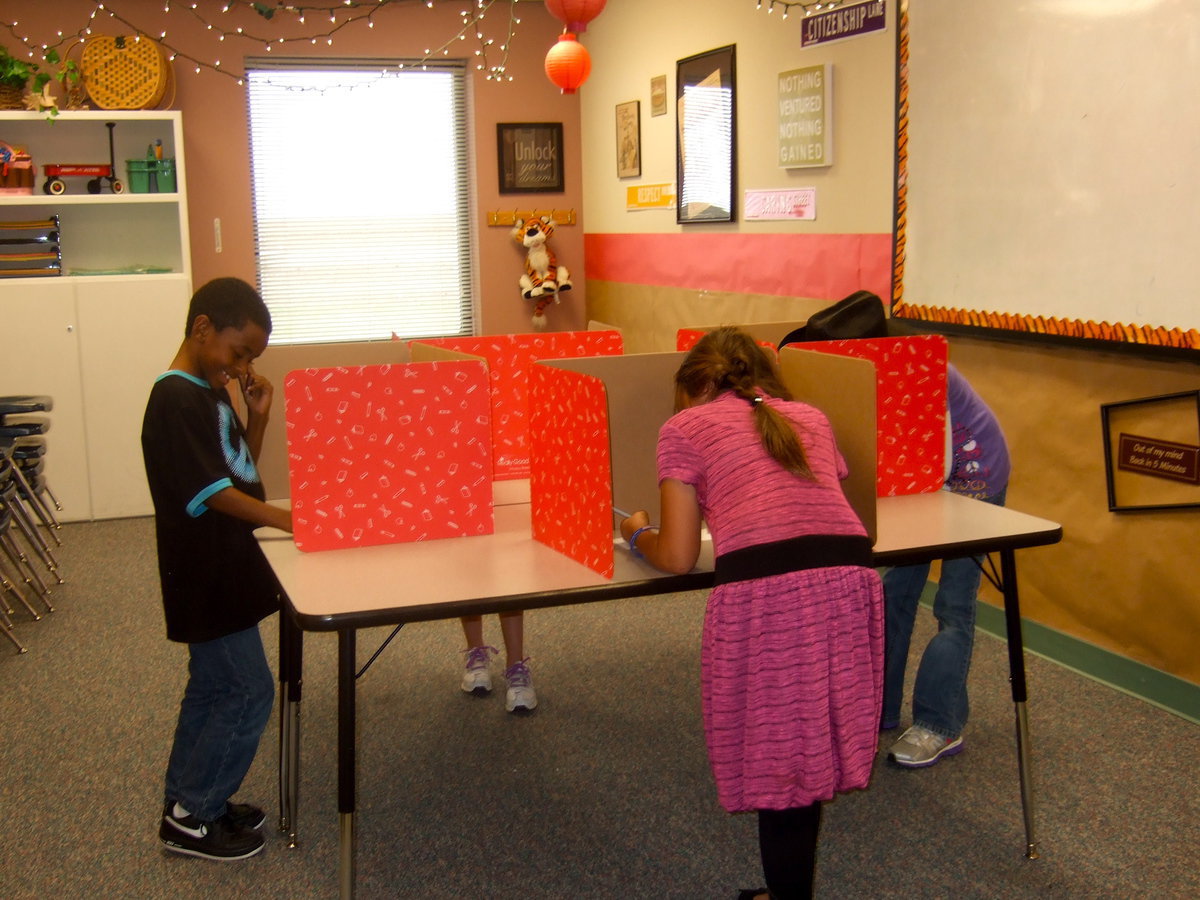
[603, 793]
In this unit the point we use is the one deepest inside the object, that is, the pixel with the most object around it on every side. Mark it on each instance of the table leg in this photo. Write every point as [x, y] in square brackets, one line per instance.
[1016, 669]
[346, 762]
[291, 671]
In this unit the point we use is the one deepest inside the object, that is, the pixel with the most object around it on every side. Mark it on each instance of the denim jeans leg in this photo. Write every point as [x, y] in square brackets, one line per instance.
[225, 708]
[902, 589]
[940, 694]
[940, 701]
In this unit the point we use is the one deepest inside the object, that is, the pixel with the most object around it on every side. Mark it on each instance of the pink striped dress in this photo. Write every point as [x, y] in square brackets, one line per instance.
[791, 664]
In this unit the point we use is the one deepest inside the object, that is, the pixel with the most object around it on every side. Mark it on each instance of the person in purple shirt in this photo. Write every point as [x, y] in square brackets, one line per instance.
[979, 467]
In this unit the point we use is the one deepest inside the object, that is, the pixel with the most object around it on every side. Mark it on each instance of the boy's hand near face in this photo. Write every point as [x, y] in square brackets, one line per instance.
[258, 392]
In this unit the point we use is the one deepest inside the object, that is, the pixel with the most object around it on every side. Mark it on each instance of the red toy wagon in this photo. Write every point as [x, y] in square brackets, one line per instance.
[97, 172]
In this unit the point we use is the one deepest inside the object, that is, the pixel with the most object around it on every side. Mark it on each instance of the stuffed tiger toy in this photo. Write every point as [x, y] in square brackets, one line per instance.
[544, 278]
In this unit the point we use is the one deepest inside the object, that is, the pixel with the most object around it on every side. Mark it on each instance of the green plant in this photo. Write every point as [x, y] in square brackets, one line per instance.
[67, 73]
[14, 72]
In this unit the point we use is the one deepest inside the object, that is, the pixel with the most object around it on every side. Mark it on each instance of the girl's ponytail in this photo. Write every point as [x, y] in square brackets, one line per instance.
[729, 360]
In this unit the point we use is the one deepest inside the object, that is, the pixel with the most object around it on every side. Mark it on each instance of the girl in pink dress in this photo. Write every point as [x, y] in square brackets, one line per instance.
[792, 652]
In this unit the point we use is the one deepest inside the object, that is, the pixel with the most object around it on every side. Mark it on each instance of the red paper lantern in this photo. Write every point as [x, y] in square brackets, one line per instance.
[568, 64]
[575, 14]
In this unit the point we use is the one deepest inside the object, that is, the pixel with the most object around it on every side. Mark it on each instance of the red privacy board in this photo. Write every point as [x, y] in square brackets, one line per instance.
[509, 358]
[388, 454]
[910, 407]
[570, 485]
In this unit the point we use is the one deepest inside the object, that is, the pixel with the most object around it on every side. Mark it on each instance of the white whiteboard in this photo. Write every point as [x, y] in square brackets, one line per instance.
[1054, 159]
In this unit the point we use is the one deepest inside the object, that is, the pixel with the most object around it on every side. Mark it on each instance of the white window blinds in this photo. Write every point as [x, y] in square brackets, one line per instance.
[360, 177]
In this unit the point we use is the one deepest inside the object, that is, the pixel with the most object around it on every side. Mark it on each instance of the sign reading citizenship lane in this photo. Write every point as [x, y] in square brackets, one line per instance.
[843, 22]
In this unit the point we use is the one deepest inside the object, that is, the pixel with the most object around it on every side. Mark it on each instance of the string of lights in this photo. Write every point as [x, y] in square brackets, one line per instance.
[317, 23]
[806, 5]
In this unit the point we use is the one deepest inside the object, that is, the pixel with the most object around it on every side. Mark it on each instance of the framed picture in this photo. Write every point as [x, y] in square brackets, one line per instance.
[629, 139]
[658, 95]
[530, 157]
[706, 137]
[1152, 452]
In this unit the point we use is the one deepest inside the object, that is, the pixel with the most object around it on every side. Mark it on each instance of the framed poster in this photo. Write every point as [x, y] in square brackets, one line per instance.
[806, 117]
[658, 95]
[530, 157]
[629, 139]
[705, 137]
[1152, 452]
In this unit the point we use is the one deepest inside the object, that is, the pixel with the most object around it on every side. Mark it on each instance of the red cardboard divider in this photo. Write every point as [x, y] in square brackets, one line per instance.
[509, 358]
[571, 481]
[910, 405]
[388, 454]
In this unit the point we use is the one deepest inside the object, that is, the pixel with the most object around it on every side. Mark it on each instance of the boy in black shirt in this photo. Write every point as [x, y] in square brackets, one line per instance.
[216, 583]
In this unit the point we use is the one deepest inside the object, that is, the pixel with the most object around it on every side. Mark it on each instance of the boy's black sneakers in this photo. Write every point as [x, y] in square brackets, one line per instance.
[244, 815]
[222, 839]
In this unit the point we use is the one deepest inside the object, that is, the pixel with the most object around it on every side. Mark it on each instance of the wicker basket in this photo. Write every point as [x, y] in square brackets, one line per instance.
[124, 72]
[11, 97]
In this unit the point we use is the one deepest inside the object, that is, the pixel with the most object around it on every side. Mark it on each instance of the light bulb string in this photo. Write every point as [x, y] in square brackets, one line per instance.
[808, 6]
[339, 15]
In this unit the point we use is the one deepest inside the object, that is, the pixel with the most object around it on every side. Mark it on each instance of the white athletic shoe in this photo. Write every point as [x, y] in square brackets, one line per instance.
[521, 696]
[477, 679]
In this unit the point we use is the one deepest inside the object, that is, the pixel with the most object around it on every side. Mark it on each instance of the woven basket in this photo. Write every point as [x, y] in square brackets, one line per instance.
[11, 97]
[124, 72]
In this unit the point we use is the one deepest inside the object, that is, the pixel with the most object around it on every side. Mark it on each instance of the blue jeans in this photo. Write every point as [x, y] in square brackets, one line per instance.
[224, 711]
[940, 694]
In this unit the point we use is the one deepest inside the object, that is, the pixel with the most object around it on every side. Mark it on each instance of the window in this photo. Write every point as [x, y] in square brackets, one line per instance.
[360, 177]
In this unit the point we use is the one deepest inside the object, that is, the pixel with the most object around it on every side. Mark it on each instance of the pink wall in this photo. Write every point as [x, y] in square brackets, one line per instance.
[216, 135]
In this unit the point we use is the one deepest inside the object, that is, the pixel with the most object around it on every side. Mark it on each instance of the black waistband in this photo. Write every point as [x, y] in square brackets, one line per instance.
[813, 551]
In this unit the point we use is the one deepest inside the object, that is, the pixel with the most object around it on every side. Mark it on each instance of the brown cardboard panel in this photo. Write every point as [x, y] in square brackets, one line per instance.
[763, 332]
[648, 316]
[844, 389]
[641, 396]
[422, 352]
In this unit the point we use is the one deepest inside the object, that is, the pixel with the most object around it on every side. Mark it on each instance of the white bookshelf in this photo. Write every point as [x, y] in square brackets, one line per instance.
[96, 341]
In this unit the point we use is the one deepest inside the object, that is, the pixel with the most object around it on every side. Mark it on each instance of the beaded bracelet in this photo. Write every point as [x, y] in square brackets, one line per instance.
[633, 540]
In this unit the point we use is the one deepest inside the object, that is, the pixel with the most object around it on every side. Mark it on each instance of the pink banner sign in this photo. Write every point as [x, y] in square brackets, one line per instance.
[799, 203]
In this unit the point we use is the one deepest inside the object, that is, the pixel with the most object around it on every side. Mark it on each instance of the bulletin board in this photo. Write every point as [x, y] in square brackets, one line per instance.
[1047, 168]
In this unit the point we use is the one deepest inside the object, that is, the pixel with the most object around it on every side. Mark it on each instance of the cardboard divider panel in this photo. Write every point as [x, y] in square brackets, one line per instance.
[571, 480]
[768, 334]
[388, 454]
[911, 406]
[630, 397]
[508, 358]
[844, 389]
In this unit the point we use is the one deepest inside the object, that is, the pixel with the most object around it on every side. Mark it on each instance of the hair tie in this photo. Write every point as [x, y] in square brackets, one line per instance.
[757, 400]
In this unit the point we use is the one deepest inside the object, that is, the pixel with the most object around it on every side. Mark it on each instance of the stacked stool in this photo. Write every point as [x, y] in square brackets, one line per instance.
[28, 524]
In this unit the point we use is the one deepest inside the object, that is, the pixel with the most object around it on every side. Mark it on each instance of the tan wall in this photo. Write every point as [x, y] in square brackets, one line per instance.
[1123, 581]
[649, 317]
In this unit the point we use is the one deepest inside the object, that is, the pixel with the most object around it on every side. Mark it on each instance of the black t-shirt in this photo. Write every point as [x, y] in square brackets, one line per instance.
[215, 579]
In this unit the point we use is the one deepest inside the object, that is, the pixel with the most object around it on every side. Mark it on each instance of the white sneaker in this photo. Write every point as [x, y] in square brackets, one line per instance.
[521, 696]
[477, 679]
[919, 747]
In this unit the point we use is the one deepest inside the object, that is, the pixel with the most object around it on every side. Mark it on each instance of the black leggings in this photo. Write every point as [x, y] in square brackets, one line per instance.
[787, 840]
